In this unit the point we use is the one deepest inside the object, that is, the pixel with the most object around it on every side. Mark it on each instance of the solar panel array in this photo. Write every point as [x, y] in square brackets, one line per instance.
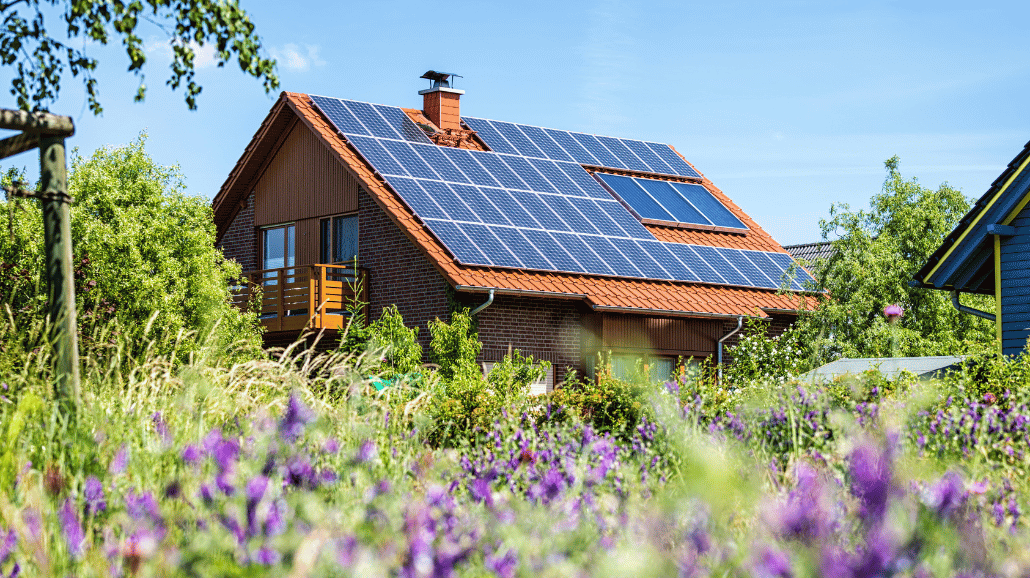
[666, 201]
[508, 210]
[585, 149]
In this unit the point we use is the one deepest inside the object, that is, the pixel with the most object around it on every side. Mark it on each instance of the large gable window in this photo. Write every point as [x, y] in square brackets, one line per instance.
[339, 239]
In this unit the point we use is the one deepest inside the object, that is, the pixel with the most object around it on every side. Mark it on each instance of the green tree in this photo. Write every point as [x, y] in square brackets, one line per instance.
[875, 253]
[143, 250]
[40, 55]
[455, 346]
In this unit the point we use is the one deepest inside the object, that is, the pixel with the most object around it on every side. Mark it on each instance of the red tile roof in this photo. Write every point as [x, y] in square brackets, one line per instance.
[601, 293]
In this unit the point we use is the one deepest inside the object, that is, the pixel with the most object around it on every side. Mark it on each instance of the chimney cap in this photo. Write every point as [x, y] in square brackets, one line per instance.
[440, 79]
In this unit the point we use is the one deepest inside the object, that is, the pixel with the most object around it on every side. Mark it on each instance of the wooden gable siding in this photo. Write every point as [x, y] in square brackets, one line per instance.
[304, 180]
[1015, 286]
[662, 335]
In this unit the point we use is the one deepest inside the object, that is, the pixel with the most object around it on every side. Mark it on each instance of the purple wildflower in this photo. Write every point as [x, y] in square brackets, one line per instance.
[503, 566]
[479, 489]
[191, 454]
[871, 480]
[256, 488]
[345, 548]
[295, 418]
[161, 427]
[93, 491]
[72, 529]
[120, 461]
[947, 495]
[8, 541]
[772, 563]
[331, 446]
[267, 556]
[366, 452]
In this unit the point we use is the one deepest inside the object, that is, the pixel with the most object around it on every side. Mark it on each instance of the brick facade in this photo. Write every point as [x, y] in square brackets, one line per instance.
[398, 272]
[547, 329]
[239, 243]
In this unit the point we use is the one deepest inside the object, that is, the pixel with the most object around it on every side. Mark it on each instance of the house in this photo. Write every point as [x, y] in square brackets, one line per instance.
[811, 253]
[987, 253]
[562, 244]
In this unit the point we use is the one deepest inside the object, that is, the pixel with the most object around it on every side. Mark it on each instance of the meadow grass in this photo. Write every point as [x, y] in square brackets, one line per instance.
[292, 463]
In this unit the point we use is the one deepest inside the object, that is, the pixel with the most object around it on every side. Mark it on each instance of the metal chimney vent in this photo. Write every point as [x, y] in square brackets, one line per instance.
[440, 79]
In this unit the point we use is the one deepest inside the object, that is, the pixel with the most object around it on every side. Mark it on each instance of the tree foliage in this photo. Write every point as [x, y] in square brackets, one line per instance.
[875, 254]
[144, 253]
[40, 58]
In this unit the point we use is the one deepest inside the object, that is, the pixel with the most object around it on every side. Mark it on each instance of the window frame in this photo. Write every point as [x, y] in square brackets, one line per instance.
[328, 224]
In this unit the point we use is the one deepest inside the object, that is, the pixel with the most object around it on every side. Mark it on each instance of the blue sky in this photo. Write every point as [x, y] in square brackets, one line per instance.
[788, 107]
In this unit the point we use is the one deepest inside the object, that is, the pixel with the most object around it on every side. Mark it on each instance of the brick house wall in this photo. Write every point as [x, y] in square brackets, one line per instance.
[547, 329]
[239, 243]
[398, 272]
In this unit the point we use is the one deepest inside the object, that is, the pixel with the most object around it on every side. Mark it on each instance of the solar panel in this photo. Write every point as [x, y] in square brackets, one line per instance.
[545, 143]
[636, 197]
[671, 201]
[672, 159]
[337, 112]
[705, 202]
[490, 136]
[517, 139]
[585, 149]
[531, 212]
[647, 156]
[786, 263]
[668, 201]
[468, 165]
[623, 153]
[440, 164]
[402, 124]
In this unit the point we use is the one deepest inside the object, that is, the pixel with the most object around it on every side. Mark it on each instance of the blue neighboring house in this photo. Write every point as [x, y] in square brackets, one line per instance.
[989, 253]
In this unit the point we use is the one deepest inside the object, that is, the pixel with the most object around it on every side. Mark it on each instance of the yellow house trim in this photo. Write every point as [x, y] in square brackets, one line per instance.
[997, 289]
[978, 217]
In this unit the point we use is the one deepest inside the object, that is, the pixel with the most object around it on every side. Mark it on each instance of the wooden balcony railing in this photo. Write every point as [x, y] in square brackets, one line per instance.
[304, 297]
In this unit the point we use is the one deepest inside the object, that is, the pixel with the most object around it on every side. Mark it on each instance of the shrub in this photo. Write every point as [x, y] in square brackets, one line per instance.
[401, 351]
[609, 404]
[143, 250]
[455, 347]
[757, 356]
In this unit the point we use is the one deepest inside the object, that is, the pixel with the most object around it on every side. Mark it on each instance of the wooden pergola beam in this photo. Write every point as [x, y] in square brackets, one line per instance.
[18, 143]
[40, 123]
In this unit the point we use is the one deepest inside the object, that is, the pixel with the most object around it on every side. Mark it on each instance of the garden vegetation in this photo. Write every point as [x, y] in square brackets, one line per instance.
[197, 454]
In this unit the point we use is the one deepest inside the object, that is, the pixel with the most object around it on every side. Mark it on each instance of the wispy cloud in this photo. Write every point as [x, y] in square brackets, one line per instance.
[298, 58]
[204, 56]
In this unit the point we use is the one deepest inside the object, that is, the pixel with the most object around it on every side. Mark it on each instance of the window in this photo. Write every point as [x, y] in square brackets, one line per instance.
[277, 247]
[539, 387]
[339, 239]
[628, 366]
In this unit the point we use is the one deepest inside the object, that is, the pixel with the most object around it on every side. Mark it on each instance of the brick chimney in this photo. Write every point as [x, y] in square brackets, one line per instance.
[440, 101]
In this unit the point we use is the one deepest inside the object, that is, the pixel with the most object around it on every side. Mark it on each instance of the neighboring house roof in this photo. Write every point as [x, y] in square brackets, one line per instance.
[964, 261]
[891, 367]
[599, 292]
[811, 252]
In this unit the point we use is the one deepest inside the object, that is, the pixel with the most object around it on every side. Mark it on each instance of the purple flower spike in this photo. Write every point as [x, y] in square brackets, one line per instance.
[93, 491]
[295, 418]
[947, 495]
[366, 452]
[72, 529]
[331, 446]
[161, 427]
[772, 564]
[503, 566]
[191, 454]
[267, 556]
[8, 541]
[256, 488]
[120, 461]
[871, 480]
[480, 491]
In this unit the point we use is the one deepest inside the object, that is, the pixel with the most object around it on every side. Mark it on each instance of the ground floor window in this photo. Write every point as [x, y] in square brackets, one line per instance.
[634, 366]
[540, 387]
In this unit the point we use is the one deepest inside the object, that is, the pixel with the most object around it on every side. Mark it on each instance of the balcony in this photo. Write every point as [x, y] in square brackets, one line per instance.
[304, 297]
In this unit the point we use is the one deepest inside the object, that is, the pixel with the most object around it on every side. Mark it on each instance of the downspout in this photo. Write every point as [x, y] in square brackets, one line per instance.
[969, 310]
[489, 302]
[740, 323]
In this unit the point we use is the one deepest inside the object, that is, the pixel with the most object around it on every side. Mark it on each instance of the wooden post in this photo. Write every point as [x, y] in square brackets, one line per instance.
[57, 231]
[48, 131]
[280, 276]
